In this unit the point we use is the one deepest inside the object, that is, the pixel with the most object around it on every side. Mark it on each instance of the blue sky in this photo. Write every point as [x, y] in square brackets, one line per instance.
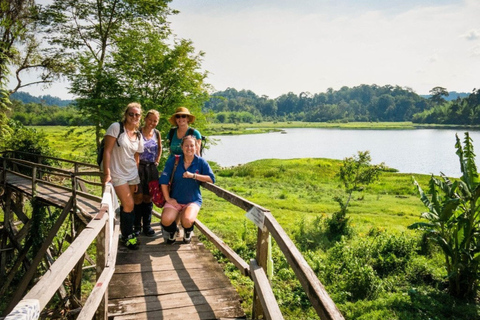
[274, 47]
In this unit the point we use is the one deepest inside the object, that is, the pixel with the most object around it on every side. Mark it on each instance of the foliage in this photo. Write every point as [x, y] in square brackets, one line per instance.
[84, 33]
[454, 221]
[34, 114]
[160, 75]
[462, 111]
[362, 103]
[355, 173]
[48, 100]
[30, 141]
[20, 47]
[437, 95]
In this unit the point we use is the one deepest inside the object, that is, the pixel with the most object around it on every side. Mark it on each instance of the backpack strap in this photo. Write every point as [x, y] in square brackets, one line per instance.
[122, 129]
[170, 136]
[177, 159]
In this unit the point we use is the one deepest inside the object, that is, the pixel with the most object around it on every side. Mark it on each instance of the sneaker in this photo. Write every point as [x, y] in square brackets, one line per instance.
[136, 230]
[149, 232]
[187, 237]
[172, 237]
[131, 242]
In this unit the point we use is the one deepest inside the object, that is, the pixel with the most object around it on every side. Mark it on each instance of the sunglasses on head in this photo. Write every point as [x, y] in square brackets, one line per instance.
[178, 116]
[131, 114]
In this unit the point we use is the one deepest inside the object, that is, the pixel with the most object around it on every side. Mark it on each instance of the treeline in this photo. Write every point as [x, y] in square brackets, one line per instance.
[48, 100]
[361, 103]
[39, 114]
[463, 111]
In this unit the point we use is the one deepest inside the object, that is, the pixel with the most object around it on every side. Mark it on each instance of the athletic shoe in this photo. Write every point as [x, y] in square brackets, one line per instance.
[187, 237]
[131, 242]
[172, 237]
[136, 230]
[149, 232]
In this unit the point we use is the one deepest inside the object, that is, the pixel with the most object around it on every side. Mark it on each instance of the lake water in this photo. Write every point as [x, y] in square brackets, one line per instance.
[409, 151]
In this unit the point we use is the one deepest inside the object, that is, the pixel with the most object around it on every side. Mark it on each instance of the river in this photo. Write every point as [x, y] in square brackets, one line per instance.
[424, 151]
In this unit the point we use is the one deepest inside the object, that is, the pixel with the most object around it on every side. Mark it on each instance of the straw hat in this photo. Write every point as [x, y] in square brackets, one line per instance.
[179, 111]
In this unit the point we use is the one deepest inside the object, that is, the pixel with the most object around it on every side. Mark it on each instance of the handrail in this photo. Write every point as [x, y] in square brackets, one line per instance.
[102, 227]
[85, 164]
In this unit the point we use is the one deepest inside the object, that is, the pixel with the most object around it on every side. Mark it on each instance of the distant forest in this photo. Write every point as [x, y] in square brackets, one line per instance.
[48, 100]
[361, 103]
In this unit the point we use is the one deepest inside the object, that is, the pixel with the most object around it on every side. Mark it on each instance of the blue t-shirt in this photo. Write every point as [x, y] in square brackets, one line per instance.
[186, 190]
[175, 144]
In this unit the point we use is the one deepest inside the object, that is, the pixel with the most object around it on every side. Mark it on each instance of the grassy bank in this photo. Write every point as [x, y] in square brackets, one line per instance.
[382, 255]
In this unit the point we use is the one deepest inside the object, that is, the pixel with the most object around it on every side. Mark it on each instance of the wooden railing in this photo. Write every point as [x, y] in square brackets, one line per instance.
[264, 301]
[101, 227]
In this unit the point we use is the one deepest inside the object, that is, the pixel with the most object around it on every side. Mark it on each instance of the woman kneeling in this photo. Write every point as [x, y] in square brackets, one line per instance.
[184, 198]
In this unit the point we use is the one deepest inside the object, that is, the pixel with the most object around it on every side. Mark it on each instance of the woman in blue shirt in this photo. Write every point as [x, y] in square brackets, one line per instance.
[184, 199]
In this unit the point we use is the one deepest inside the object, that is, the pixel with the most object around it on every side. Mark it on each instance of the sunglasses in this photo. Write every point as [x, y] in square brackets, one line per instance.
[131, 114]
[178, 116]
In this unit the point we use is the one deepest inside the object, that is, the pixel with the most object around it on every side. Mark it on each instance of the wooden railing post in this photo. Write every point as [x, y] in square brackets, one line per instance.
[103, 243]
[74, 191]
[34, 180]
[262, 258]
[4, 172]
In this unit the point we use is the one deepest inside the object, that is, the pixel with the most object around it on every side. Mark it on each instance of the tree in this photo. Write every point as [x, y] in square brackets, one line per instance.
[454, 221]
[437, 95]
[159, 75]
[85, 33]
[355, 173]
[20, 52]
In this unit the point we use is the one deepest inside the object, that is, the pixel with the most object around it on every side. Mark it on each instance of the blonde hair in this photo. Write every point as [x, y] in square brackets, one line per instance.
[152, 111]
[132, 105]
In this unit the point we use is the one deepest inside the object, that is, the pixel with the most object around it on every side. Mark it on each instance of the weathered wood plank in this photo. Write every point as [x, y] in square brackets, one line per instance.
[270, 308]
[221, 311]
[207, 298]
[179, 281]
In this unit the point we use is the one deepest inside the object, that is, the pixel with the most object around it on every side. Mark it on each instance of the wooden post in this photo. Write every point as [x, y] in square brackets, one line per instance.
[74, 191]
[77, 272]
[6, 219]
[34, 180]
[103, 243]
[261, 257]
[4, 173]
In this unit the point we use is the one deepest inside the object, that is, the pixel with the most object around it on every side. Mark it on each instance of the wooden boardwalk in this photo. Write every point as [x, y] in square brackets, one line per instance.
[179, 281]
[158, 281]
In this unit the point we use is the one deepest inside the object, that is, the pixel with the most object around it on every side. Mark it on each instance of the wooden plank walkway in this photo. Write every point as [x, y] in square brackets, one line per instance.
[158, 281]
[179, 281]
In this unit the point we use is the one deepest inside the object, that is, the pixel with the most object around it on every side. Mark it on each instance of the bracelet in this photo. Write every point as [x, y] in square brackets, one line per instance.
[194, 176]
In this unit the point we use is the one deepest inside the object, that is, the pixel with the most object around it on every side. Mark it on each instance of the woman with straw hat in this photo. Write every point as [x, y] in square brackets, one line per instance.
[181, 119]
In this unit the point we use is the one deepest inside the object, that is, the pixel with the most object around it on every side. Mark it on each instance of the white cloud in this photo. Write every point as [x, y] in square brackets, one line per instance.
[472, 35]
[272, 50]
[273, 47]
